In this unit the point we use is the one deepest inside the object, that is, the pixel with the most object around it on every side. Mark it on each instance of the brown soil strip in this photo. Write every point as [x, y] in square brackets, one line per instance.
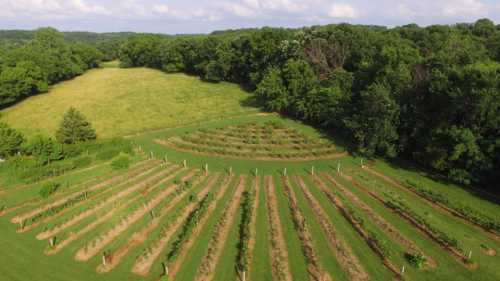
[278, 251]
[114, 258]
[388, 228]
[58, 194]
[119, 206]
[219, 236]
[176, 264]
[112, 181]
[328, 157]
[436, 205]
[152, 180]
[489, 251]
[140, 186]
[102, 240]
[344, 254]
[360, 230]
[314, 269]
[422, 228]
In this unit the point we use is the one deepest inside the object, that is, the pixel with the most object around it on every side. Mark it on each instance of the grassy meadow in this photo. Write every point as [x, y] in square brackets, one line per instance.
[121, 101]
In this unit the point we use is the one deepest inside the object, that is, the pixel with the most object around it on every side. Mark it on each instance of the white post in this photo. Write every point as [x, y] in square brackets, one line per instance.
[206, 169]
[284, 172]
[403, 270]
[256, 172]
[51, 241]
[312, 171]
[231, 170]
[338, 167]
[166, 159]
[165, 268]
[151, 155]
[104, 259]
[244, 276]
[184, 163]
[470, 254]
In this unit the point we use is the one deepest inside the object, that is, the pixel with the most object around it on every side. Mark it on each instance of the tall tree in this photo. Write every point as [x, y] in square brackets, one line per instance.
[75, 128]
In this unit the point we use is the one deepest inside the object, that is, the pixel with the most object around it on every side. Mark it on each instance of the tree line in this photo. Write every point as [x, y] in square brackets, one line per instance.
[29, 66]
[431, 95]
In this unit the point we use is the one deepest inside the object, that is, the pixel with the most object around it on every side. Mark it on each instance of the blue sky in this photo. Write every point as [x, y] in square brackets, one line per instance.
[189, 16]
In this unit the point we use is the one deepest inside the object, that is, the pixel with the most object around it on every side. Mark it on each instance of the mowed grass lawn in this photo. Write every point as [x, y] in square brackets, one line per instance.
[126, 101]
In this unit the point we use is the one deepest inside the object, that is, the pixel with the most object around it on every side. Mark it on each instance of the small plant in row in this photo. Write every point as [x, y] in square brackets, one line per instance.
[192, 220]
[247, 204]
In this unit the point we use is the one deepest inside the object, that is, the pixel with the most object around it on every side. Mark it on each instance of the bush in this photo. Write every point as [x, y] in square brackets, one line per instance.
[10, 141]
[75, 128]
[82, 161]
[107, 154]
[121, 162]
[48, 189]
[416, 260]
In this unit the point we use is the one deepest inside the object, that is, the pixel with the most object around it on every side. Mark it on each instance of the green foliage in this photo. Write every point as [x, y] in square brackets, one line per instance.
[44, 149]
[48, 189]
[75, 128]
[121, 162]
[247, 204]
[10, 141]
[416, 260]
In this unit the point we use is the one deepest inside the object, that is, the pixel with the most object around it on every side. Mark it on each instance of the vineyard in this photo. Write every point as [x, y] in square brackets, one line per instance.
[221, 202]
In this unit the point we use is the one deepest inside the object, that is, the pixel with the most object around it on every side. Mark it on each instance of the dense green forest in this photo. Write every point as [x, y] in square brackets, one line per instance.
[29, 65]
[429, 94]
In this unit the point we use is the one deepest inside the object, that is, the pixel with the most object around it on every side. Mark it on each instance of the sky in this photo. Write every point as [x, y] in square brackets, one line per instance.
[203, 16]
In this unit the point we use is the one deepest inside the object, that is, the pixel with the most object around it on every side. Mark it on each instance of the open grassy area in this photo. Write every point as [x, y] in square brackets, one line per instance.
[108, 224]
[126, 101]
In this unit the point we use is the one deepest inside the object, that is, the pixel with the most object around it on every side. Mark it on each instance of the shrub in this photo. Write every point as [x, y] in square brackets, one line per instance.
[48, 189]
[82, 161]
[416, 260]
[10, 141]
[121, 162]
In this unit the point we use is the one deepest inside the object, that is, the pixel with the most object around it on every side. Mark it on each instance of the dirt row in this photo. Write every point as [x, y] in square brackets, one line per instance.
[219, 236]
[119, 179]
[388, 228]
[100, 220]
[90, 198]
[422, 228]
[253, 221]
[114, 258]
[436, 205]
[344, 254]
[314, 268]
[96, 245]
[176, 264]
[173, 146]
[363, 233]
[278, 251]
[146, 185]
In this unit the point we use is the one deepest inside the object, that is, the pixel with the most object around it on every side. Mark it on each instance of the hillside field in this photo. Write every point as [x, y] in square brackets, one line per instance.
[274, 219]
[126, 101]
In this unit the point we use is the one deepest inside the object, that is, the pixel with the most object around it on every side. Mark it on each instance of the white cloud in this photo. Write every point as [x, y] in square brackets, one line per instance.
[343, 10]
[463, 8]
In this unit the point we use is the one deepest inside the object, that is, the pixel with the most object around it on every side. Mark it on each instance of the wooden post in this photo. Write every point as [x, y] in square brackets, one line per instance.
[51, 242]
[284, 172]
[206, 169]
[166, 159]
[362, 165]
[470, 255]
[256, 171]
[403, 270]
[151, 155]
[244, 277]
[312, 171]
[152, 214]
[184, 163]
[231, 170]
[338, 167]
[165, 268]
[104, 259]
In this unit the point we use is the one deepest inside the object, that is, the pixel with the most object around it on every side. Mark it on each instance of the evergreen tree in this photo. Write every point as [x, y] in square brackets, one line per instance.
[75, 128]
[10, 141]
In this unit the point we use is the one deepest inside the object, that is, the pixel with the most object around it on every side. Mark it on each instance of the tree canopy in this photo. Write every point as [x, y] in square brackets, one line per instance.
[75, 128]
